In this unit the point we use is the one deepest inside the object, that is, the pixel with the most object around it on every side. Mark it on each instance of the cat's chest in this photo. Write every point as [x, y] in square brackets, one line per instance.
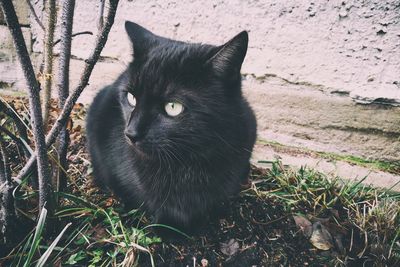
[161, 177]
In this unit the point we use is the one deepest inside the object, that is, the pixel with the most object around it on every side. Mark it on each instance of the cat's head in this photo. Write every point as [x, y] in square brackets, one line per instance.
[178, 97]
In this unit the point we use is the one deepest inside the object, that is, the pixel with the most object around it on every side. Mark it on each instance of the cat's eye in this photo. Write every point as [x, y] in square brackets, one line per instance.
[131, 100]
[173, 108]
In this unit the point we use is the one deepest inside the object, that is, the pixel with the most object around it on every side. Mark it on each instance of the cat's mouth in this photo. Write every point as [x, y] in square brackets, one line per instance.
[137, 146]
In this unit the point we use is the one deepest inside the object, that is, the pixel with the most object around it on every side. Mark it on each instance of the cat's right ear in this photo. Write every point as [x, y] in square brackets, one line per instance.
[141, 38]
[229, 57]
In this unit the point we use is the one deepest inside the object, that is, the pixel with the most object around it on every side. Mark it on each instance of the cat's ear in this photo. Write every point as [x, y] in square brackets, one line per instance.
[142, 39]
[229, 57]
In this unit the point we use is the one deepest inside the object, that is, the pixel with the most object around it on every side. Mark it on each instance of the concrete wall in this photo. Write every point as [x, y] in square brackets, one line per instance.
[307, 62]
[346, 46]
[10, 70]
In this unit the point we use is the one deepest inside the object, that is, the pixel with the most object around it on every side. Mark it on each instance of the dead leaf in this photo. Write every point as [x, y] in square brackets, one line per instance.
[304, 225]
[230, 248]
[204, 263]
[321, 238]
[78, 106]
[69, 124]
[335, 213]
[99, 232]
[109, 202]
[77, 129]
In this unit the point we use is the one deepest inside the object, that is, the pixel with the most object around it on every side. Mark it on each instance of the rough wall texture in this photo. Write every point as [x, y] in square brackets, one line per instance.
[345, 46]
[304, 58]
[10, 70]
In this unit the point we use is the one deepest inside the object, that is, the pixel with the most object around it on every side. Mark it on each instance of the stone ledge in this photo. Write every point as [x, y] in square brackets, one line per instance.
[344, 170]
[302, 116]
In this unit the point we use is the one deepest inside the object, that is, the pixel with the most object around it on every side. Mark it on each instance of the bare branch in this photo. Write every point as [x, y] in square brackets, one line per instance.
[48, 59]
[5, 172]
[101, 14]
[63, 84]
[71, 100]
[34, 102]
[7, 211]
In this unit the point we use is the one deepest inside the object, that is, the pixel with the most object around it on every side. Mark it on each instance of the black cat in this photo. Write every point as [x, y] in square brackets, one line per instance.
[173, 133]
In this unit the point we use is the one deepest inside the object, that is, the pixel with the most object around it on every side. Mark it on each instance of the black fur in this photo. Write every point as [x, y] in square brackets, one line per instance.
[181, 168]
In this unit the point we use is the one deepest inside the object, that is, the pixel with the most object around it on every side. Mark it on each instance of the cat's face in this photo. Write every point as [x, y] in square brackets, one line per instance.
[177, 98]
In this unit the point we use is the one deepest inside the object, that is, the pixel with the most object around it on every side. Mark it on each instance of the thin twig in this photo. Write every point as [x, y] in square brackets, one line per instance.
[21, 25]
[35, 16]
[71, 100]
[73, 35]
[34, 102]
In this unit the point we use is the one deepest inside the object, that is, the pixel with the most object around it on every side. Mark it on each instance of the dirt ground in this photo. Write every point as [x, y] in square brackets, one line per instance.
[255, 228]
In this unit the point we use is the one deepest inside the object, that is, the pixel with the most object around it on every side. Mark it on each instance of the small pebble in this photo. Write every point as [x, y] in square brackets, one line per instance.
[343, 14]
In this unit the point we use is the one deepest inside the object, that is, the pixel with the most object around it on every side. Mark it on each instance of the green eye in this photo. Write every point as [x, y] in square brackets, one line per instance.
[131, 100]
[173, 108]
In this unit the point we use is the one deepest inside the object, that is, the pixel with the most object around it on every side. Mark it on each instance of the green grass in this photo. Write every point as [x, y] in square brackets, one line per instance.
[373, 215]
[108, 235]
[30, 249]
[391, 167]
[102, 234]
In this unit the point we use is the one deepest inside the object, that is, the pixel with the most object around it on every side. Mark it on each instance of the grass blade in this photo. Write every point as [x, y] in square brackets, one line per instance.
[168, 227]
[47, 253]
[36, 237]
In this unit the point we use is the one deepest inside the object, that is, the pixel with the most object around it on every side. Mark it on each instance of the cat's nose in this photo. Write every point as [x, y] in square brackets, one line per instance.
[132, 135]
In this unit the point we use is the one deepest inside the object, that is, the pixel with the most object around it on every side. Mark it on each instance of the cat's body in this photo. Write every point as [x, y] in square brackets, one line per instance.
[173, 134]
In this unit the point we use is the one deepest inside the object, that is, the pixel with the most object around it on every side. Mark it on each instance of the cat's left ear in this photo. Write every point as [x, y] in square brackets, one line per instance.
[229, 57]
[141, 38]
